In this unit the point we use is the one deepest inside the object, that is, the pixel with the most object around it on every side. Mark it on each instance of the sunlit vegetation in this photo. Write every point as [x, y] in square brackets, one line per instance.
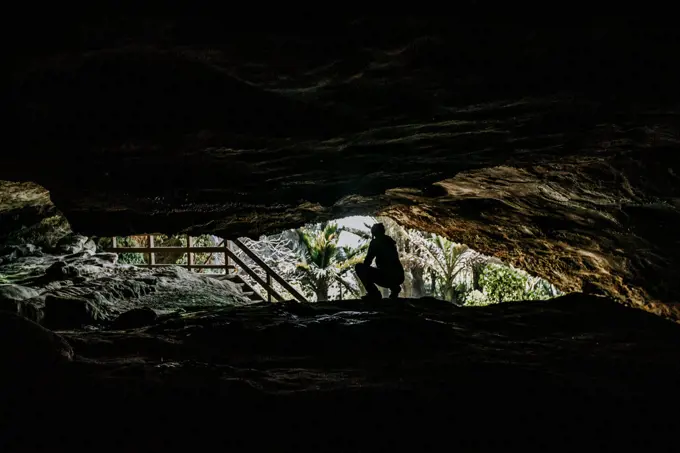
[318, 260]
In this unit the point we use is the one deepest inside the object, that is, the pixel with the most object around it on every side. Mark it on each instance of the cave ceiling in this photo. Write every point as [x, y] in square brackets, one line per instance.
[554, 148]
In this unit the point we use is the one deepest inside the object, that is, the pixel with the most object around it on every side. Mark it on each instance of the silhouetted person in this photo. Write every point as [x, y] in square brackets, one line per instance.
[389, 272]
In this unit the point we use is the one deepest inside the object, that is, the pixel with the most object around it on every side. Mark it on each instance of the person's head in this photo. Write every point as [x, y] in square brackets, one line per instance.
[378, 230]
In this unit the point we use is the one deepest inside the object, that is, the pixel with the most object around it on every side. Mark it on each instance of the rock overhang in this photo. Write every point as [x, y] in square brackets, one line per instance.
[555, 149]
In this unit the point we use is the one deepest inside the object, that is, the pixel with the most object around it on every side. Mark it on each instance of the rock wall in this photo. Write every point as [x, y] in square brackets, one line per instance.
[28, 216]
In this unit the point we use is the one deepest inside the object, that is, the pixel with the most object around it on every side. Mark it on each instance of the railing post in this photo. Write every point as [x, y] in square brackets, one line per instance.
[269, 285]
[114, 242]
[226, 257]
[190, 255]
[152, 255]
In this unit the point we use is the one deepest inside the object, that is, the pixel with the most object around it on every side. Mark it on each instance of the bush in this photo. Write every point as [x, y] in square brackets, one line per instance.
[476, 298]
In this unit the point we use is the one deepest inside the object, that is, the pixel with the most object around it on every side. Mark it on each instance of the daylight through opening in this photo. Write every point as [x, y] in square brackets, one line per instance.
[317, 262]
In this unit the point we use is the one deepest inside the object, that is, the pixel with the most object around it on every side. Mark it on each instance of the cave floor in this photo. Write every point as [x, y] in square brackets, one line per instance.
[351, 376]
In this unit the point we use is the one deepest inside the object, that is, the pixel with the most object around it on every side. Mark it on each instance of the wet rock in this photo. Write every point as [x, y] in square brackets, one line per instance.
[28, 350]
[10, 253]
[65, 311]
[106, 257]
[75, 243]
[21, 300]
[149, 280]
[33, 309]
[61, 270]
[132, 288]
[77, 256]
[137, 317]
[14, 293]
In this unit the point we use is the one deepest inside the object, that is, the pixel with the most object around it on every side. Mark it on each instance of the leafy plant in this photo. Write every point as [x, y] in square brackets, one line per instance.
[322, 262]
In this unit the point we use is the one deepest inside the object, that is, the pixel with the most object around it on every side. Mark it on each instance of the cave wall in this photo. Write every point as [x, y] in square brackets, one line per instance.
[28, 216]
[555, 148]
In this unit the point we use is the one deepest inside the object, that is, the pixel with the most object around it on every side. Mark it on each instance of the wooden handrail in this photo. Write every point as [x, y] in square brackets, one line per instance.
[253, 275]
[195, 266]
[165, 249]
[269, 270]
[223, 247]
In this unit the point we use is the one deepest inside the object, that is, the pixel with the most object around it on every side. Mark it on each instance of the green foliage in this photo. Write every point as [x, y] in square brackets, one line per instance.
[502, 283]
[539, 289]
[131, 258]
[322, 262]
[476, 298]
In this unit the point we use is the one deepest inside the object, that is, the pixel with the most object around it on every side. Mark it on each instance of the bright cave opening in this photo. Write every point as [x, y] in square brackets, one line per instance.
[317, 262]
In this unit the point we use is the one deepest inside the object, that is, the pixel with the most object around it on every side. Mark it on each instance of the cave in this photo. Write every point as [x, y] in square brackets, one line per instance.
[552, 148]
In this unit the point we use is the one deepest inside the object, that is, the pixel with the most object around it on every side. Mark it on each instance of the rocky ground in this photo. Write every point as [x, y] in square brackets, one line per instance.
[182, 370]
[74, 286]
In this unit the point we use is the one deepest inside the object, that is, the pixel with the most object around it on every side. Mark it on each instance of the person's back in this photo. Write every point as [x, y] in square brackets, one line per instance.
[389, 272]
[386, 255]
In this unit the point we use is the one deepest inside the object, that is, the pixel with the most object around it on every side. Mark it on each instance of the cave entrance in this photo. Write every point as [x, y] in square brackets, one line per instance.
[316, 263]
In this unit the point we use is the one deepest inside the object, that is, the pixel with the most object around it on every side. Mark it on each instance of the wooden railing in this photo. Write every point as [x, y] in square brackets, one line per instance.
[224, 247]
[269, 271]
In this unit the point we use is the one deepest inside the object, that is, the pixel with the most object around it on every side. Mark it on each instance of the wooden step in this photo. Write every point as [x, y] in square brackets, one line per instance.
[252, 295]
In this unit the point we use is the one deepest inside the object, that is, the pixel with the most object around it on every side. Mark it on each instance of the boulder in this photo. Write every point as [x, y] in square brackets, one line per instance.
[10, 253]
[73, 257]
[106, 257]
[15, 293]
[60, 271]
[137, 317]
[75, 243]
[21, 300]
[73, 312]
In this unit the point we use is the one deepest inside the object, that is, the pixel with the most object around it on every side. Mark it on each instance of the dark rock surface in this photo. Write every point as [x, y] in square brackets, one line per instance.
[137, 317]
[28, 353]
[403, 375]
[555, 148]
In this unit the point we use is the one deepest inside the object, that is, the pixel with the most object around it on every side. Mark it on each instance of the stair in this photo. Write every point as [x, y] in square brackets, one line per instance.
[230, 256]
[246, 289]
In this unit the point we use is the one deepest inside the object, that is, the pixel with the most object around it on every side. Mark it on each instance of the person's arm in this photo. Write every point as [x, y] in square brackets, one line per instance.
[370, 254]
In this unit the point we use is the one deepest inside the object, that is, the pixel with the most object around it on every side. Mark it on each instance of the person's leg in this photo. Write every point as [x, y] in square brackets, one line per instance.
[366, 276]
[387, 280]
[394, 291]
[390, 281]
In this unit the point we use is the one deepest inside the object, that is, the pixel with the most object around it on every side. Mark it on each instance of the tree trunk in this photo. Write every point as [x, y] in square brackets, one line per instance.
[322, 291]
[433, 288]
[476, 274]
[447, 290]
[407, 286]
[417, 282]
